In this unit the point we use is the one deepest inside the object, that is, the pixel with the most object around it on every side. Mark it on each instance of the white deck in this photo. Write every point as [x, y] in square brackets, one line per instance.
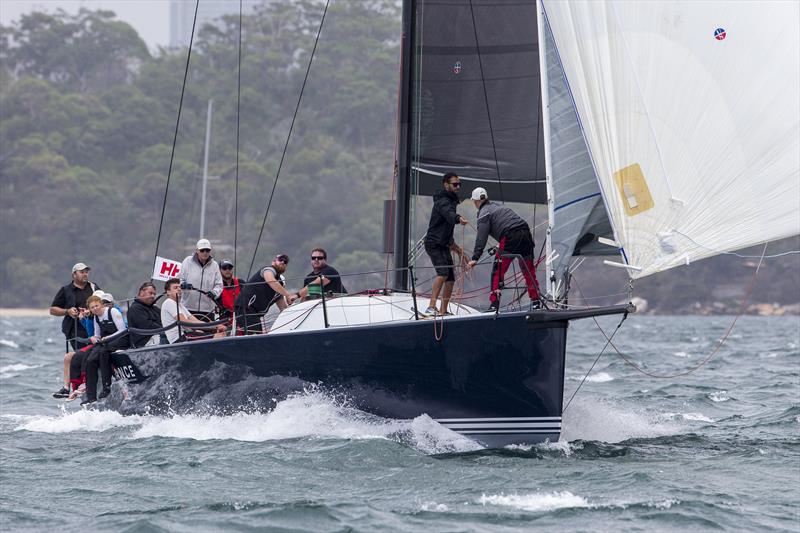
[358, 310]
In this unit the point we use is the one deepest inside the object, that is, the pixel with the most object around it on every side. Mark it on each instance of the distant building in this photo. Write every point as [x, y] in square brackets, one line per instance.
[181, 16]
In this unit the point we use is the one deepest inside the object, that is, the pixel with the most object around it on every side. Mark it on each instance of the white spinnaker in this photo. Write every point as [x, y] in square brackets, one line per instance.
[713, 124]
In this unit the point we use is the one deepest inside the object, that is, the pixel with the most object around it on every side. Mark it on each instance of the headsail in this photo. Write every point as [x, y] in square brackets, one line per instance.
[475, 97]
[578, 216]
[692, 118]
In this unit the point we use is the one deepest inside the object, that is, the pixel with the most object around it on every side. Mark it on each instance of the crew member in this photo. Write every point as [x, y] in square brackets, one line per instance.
[172, 311]
[109, 337]
[439, 242]
[262, 290]
[86, 362]
[514, 237]
[231, 287]
[202, 281]
[68, 303]
[331, 280]
[144, 314]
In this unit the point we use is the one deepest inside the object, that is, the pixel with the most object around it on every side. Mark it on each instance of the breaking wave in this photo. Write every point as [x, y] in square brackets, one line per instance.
[303, 415]
[536, 501]
[588, 419]
[13, 370]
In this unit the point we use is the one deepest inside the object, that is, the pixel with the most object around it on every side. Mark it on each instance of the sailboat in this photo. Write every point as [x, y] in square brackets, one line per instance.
[648, 137]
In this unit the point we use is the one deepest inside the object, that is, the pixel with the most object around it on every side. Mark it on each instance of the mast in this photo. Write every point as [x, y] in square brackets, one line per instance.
[404, 143]
[205, 173]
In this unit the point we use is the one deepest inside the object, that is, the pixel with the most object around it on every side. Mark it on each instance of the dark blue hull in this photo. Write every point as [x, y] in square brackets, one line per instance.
[496, 379]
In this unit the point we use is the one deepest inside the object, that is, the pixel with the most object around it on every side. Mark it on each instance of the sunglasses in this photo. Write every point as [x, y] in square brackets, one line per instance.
[317, 258]
[226, 268]
[205, 250]
[456, 184]
[282, 259]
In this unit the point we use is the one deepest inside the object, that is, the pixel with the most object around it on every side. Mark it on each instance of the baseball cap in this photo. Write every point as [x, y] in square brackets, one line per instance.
[203, 244]
[99, 293]
[80, 266]
[107, 297]
[479, 193]
[226, 263]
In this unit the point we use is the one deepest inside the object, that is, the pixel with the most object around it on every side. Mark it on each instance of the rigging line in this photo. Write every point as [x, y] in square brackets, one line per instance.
[288, 138]
[238, 122]
[595, 362]
[486, 101]
[720, 252]
[175, 137]
[713, 352]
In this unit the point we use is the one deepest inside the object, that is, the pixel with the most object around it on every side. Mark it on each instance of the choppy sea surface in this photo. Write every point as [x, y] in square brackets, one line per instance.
[716, 450]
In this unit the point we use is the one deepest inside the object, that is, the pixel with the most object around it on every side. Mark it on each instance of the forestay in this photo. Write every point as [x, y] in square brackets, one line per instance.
[691, 114]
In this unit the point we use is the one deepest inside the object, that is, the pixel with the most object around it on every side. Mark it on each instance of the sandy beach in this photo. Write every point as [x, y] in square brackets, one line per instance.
[23, 311]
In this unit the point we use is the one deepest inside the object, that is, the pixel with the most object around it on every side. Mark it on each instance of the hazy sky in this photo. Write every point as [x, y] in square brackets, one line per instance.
[149, 17]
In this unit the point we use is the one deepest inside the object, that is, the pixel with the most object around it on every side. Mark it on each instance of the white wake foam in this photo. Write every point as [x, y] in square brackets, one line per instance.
[604, 421]
[536, 501]
[719, 396]
[13, 370]
[83, 420]
[8, 343]
[691, 417]
[598, 377]
[307, 415]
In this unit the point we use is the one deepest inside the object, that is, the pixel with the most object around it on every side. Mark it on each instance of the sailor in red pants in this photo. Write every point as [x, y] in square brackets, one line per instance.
[514, 236]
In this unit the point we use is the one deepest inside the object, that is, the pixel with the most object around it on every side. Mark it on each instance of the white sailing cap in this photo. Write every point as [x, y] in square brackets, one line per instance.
[479, 193]
[203, 244]
[99, 293]
[107, 297]
[80, 266]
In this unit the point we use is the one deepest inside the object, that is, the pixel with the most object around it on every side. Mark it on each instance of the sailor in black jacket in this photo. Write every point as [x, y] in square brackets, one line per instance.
[439, 242]
[144, 314]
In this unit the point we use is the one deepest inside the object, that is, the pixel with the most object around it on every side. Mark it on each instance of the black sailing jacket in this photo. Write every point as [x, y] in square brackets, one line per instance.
[443, 219]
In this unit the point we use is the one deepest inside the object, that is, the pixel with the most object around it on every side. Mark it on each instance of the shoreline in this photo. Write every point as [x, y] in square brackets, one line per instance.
[23, 311]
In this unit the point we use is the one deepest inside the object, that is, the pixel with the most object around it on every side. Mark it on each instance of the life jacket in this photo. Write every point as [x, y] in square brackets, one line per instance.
[106, 323]
[229, 294]
[257, 295]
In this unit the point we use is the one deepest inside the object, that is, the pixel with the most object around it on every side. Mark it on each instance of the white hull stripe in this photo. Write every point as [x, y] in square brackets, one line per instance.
[507, 431]
[503, 419]
[502, 425]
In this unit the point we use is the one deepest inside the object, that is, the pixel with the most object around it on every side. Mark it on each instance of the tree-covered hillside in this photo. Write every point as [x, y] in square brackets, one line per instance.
[87, 119]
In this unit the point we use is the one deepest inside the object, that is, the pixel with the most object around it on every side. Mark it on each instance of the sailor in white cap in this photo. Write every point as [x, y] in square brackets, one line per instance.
[70, 303]
[515, 241]
[201, 282]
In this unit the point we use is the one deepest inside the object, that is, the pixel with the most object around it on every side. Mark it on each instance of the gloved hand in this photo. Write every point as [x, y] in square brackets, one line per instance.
[211, 295]
[186, 286]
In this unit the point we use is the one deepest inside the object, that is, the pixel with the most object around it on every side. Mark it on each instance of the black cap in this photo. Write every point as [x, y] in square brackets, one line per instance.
[226, 263]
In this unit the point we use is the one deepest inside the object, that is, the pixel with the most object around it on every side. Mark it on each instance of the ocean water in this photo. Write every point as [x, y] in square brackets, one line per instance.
[716, 450]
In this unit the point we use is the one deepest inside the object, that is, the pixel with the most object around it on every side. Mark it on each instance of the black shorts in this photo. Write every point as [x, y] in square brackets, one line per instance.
[442, 260]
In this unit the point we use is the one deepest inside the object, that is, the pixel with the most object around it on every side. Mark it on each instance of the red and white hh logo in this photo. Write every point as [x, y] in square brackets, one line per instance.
[165, 269]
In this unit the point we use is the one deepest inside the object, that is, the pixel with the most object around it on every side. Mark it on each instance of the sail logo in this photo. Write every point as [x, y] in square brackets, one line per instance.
[457, 68]
[719, 34]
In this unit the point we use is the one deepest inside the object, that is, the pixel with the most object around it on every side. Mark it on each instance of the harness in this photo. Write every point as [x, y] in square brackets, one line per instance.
[107, 325]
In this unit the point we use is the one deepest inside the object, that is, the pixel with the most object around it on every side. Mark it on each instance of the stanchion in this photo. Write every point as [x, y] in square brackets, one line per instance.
[324, 307]
[413, 291]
